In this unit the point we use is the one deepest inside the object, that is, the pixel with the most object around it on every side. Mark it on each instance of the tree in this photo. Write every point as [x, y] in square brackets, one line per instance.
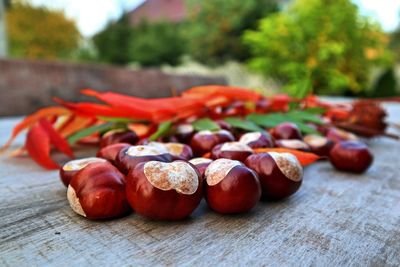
[157, 43]
[214, 27]
[113, 42]
[324, 45]
[36, 32]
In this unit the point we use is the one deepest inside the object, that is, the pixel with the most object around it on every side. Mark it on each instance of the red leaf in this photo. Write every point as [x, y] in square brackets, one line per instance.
[56, 139]
[38, 146]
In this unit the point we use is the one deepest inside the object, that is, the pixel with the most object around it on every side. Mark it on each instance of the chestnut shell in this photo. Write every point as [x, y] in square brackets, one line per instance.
[125, 162]
[351, 156]
[100, 188]
[238, 192]
[158, 204]
[118, 137]
[286, 130]
[275, 185]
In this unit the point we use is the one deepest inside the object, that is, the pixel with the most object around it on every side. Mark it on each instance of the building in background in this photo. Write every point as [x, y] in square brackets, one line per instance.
[159, 10]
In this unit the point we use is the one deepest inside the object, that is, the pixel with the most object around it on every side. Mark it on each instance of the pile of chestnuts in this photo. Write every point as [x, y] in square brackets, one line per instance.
[168, 180]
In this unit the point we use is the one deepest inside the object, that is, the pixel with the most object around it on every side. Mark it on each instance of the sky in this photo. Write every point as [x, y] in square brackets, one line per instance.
[92, 15]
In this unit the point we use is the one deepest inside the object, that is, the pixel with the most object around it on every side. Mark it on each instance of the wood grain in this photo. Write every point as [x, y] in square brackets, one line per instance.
[336, 219]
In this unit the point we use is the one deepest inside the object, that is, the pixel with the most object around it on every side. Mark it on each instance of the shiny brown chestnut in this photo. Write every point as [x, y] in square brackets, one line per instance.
[129, 157]
[201, 164]
[231, 150]
[351, 156]
[338, 135]
[292, 144]
[286, 130]
[231, 187]
[110, 152]
[184, 133]
[319, 145]
[280, 174]
[118, 136]
[164, 191]
[257, 140]
[204, 141]
[98, 192]
[72, 167]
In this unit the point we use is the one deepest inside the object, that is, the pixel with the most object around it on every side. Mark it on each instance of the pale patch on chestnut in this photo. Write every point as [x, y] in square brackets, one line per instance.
[289, 165]
[177, 175]
[224, 132]
[293, 143]
[197, 161]
[205, 132]
[175, 149]
[218, 169]
[235, 146]
[145, 150]
[184, 128]
[74, 201]
[250, 137]
[109, 133]
[315, 140]
[78, 164]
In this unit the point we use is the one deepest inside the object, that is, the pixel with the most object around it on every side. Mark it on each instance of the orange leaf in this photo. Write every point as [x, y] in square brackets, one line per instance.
[305, 158]
[75, 124]
[230, 92]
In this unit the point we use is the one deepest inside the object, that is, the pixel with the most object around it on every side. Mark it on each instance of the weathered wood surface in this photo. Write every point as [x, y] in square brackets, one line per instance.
[336, 219]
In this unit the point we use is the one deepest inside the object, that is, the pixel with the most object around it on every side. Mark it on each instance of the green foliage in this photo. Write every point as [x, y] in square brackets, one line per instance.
[319, 45]
[157, 43]
[214, 27]
[147, 44]
[113, 42]
[205, 124]
[386, 85]
[39, 33]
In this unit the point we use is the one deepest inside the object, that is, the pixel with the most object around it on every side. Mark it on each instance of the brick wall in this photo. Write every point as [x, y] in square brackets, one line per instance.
[28, 85]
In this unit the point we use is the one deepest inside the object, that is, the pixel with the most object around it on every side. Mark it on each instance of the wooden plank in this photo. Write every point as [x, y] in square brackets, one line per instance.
[335, 219]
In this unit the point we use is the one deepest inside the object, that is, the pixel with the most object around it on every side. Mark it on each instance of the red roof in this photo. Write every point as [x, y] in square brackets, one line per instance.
[158, 10]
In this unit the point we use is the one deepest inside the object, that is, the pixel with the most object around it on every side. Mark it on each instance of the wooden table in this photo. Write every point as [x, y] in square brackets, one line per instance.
[335, 219]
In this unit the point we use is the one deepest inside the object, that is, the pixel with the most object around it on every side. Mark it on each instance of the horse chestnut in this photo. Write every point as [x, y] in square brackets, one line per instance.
[351, 156]
[177, 150]
[98, 192]
[231, 187]
[110, 152]
[201, 164]
[292, 144]
[184, 132]
[164, 191]
[319, 145]
[118, 136]
[257, 140]
[280, 174]
[286, 130]
[129, 157]
[72, 167]
[231, 150]
[204, 141]
[337, 135]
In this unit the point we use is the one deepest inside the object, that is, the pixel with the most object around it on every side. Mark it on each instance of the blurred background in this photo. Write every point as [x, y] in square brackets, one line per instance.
[154, 48]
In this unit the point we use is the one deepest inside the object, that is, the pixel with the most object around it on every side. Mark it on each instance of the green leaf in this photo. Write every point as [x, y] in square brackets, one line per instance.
[205, 124]
[243, 124]
[114, 119]
[302, 115]
[89, 131]
[163, 129]
[273, 119]
[316, 110]
[267, 120]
